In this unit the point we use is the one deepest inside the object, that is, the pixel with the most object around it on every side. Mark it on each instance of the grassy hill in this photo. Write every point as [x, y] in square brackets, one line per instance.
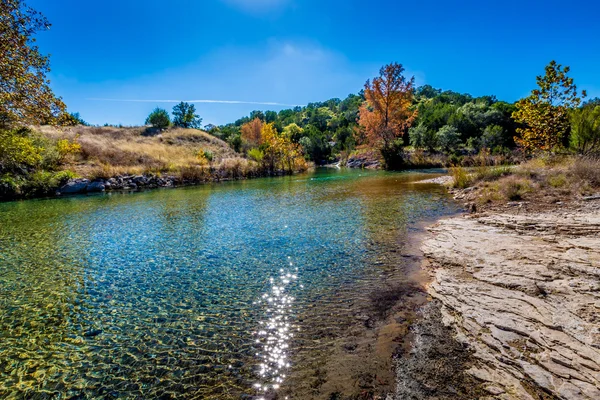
[108, 151]
[45, 160]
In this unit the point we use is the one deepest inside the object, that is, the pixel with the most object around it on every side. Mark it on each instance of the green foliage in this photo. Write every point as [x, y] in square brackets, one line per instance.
[316, 145]
[493, 137]
[235, 141]
[18, 150]
[448, 138]
[76, 117]
[585, 129]
[393, 155]
[159, 118]
[422, 138]
[256, 155]
[28, 163]
[184, 116]
[326, 126]
[209, 155]
[293, 132]
[416, 134]
[460, 177]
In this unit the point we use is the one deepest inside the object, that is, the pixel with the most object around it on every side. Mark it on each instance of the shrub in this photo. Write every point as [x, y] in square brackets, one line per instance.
[460, 177]
[492, 173]
[514, 188]
[205, 157]
[67, 149]
[159, 118]
[557, 181]
[18, 150]
[256, 155]
[194, 174]
[587, 170]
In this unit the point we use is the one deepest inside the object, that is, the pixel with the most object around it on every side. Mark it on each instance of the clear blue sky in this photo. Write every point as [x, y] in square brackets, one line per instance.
[299, 51]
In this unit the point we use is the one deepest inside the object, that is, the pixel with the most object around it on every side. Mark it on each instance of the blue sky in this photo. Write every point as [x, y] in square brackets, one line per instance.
[298, 51]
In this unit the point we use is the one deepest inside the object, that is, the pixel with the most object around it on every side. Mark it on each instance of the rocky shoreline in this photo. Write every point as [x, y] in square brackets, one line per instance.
[519, 291]
[131, 182]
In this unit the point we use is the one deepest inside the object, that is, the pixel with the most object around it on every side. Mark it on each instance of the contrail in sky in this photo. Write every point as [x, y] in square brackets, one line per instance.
[265, 103]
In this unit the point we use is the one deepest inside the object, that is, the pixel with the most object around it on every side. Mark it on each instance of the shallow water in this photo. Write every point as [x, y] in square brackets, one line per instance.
[215, 291]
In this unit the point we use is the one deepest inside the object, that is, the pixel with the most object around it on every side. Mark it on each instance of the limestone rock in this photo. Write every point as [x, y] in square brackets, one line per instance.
[522, 293]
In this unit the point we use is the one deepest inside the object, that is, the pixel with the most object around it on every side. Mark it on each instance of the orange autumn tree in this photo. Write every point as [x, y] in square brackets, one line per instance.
[387, 113]
[251, 133]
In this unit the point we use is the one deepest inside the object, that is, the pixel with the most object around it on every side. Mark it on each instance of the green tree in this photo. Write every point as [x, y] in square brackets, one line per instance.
[25, 94]
[184, 116]
[448, 138]
[293, 131]
[545, 113]
[493, 136]
[585, 135]
[416, 134]
[159, 118]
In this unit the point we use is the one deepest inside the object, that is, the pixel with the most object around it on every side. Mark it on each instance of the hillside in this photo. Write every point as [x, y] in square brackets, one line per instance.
[135, 150]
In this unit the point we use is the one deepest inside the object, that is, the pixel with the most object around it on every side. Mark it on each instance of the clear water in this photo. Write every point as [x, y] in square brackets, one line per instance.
[216, 291]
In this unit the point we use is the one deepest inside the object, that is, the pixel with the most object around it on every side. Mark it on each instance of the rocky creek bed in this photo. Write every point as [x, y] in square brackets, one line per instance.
[516, 309]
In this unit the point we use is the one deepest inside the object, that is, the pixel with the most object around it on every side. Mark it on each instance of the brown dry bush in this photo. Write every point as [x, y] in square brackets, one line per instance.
[514, 187]
[586, 170]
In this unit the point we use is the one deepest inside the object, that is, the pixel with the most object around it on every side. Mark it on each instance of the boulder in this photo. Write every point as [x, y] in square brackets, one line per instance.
[75, 186]
[96, 186]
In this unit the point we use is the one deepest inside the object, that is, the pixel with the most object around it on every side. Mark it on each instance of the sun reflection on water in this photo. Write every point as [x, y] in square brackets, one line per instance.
[275, 332]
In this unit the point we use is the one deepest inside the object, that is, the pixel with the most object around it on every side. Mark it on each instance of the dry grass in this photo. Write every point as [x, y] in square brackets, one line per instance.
[460, 177]
[586, 170]
[541, 181]
[110, 151]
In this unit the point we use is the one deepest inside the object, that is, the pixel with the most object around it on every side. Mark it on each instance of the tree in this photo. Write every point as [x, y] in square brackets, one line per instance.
[25, 94]
[252, 132]
[585, 136]
[416, 134]
[545, 113]
[493, 136]
[387, 113]
[279, 153]
[293, 132]
[159, 118]
[448, 138]
[184, 116]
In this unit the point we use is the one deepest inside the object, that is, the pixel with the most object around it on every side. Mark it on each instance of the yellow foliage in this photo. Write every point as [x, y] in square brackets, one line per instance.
[67, 149]
[17, 150]
[545, 113]
[279, 153]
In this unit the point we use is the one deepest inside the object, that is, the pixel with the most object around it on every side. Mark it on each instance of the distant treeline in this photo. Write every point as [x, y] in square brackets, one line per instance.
[327, 129]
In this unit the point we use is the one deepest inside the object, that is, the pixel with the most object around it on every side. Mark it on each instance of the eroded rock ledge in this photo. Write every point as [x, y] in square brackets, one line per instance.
[522, 292]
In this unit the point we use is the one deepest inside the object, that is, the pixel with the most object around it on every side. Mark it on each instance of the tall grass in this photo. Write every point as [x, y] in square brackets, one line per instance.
[460, 177]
